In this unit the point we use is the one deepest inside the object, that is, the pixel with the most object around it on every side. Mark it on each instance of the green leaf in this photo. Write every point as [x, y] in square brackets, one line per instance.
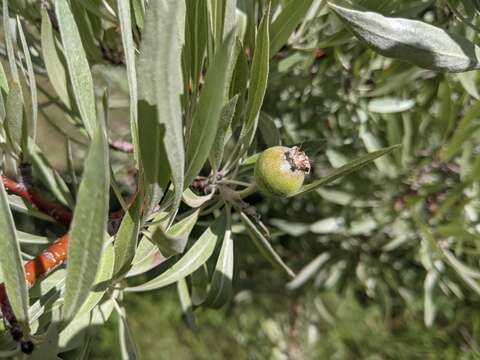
[196, 39]
[229, 17]
[102, 280]
[258, 81]
[46, 173]
[388, 105]
[126, 238]
[161, 50]
[11, 262]
[262, 244]
[286, 22]
[54, 61]
[128, 346]
[398, 38]
[14, 123]
[226, 118]
[124, 15]
[195, 257]
[269, 131]
[152, 152]
[193, 200]
[221, 286]
[73, 335]
[78, 67]
[9, 43]
[87, 232]
[186, 302]
[463, 272]
[206, 119]
[346, 169]
[32, 128]
[174, 240]
[430, 307]
[464, 130]
[308, 271]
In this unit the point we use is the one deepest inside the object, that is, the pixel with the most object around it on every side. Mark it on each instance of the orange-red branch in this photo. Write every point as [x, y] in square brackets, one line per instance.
[47, 261]
[56, 211]
[44, 263]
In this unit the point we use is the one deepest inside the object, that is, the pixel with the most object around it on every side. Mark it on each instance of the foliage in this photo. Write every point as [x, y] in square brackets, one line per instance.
[199, 88]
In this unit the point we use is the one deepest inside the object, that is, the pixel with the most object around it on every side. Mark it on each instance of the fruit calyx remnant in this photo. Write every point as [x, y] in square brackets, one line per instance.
[298, 160]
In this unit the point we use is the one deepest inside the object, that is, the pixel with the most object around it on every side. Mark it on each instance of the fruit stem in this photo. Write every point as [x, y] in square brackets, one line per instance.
[251, 189]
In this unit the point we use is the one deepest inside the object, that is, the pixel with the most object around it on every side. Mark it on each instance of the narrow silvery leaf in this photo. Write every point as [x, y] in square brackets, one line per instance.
[186, 302]
[32, 84]
[71, 336]
[258, 81]
[126, 238]
[3, 80]
[308, 271]
[11, 262]
[174, 240]
[464, 130]
[78, 67]
[429, 300]
[398, 38]
[230, 17]
[124, 15]
[161, 50]
[206, 119]
[226, 118]
[221, 286]
[128, 346]
[88, 225]
[388, 105]
[195, 257]
[9, 43]
[193, 200]
[346, 169]
[196, 39]
[102, 280]
[56, 70]
[48, 176]
[262, 244]
[14, 124]
[285, 23]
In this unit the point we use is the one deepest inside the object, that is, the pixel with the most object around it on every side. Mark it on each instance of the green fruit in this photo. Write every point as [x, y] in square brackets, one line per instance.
[280, 170]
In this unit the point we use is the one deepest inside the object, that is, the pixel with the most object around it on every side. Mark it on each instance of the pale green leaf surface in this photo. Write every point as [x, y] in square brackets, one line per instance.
[126, 238]
[88, 227]
[102, 280]
[161, 50]
[195, 257]
[206, 119]
[78, 67]
[56, 70]
[258, 81]
[11, 261]
[220, 289]
[124, 15]
[32, 84]
[436, 48]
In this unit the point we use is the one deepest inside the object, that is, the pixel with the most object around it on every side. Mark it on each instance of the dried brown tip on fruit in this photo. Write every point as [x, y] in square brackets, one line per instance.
[298, 160]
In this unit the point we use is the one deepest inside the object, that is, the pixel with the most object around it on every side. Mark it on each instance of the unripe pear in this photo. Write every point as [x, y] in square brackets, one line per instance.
[280, 171]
